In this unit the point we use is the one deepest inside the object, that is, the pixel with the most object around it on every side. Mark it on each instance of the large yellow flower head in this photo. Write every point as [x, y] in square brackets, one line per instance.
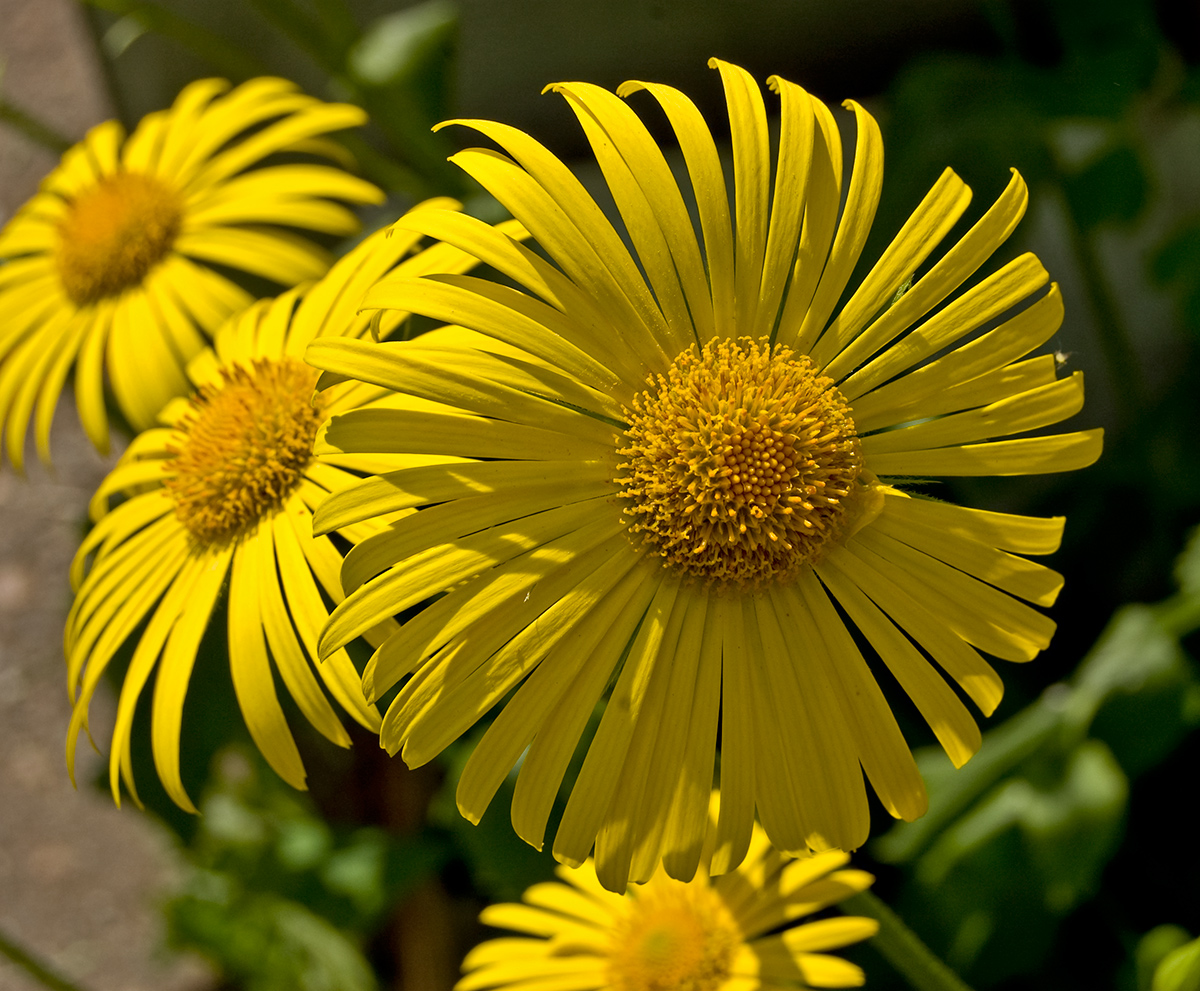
[690, 485]
[221, 498]
[109, 267]
[739, 932]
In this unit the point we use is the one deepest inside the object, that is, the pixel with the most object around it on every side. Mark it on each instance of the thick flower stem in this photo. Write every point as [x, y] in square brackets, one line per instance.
[903, 948]
[32, 128]
[32, 967]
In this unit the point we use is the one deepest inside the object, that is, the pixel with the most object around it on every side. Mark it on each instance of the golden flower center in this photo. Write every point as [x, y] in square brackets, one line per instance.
[741, 459]
[245, 446]
[677, 937]
[114, 233]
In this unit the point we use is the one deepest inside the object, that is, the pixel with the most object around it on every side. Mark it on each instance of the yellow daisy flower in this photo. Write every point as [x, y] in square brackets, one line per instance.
[738, 932]
[110, 266]
[681, 501]
[221, 496]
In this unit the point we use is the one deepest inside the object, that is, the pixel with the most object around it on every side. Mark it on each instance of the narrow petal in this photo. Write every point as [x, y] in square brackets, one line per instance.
[250, 667]
[531, 709]
[902, 399]
[737, 775]
[601, 772]
[1027, 456]
[174, 673]
[609, 633]
[712, 201]
[1015, 414]
[980, 614]
[862, 199]
[924, 230]
[957, 658]
[938, 704]
[751, 182]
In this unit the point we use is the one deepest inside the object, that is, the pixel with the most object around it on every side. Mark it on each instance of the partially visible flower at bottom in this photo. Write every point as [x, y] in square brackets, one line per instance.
[737, 931]
[223, 492]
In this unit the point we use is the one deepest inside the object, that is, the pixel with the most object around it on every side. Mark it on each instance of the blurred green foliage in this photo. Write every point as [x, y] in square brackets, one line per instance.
[1179, 968]
[280, 899]
[396, 64]
[1021, 836]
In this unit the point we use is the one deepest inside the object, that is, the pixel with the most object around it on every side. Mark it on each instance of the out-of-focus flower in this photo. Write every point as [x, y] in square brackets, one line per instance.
[742, 930]
[110, 267]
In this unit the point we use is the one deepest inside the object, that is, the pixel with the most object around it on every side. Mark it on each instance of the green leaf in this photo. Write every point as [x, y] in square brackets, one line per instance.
[396, 44]
[1135, 688]
[1179, 970]
[1153, 947]
[1187, 567]
[268, 943]
[357, 871]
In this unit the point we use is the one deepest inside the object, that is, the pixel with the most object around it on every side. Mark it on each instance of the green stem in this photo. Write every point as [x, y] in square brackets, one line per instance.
[32, 128]
[1180, 615]
[38, 971]
[220, 52]
[902, 947]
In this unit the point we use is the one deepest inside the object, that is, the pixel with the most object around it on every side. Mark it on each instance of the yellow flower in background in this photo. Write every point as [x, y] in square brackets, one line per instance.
[220, 497]
[739, 931]
[688, 494]
[109, 268]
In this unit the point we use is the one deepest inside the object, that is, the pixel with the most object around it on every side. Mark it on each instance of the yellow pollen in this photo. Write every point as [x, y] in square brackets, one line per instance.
[741, 461]
[676, 937]
[114, 233]
[244, 448]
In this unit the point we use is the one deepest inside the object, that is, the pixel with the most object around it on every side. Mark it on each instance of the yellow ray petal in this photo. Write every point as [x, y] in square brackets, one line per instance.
[961, 261]
[1015, 414]
[957, 658]
[571, 201]
[627, 847]
[737, 775]
[608, 633]
[465, 695]
[598, 778]
[712, 202]
[385, 431]
[1016, 337]
[174, 672]
[991, 298]
[953, 726]
[1032, 582]
[923, 231]
[1026, 456]
[651, 205]
[866, 181]
[296, 549]
[250, 667]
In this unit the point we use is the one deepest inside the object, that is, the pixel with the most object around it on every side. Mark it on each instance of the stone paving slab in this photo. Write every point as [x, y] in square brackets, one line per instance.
[79, 879]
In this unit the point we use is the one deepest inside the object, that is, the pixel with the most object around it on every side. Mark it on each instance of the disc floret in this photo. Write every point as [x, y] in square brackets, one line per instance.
[114, 233]
[676, 937]
[741, 462]
[246, 443]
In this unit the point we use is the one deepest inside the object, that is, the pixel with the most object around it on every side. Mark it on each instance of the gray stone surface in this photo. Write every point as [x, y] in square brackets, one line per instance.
[79, 879]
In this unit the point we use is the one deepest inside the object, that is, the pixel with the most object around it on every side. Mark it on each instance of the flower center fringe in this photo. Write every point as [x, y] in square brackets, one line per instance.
[740, 462]
[114, 233]
[677, 937]
[245, 447]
